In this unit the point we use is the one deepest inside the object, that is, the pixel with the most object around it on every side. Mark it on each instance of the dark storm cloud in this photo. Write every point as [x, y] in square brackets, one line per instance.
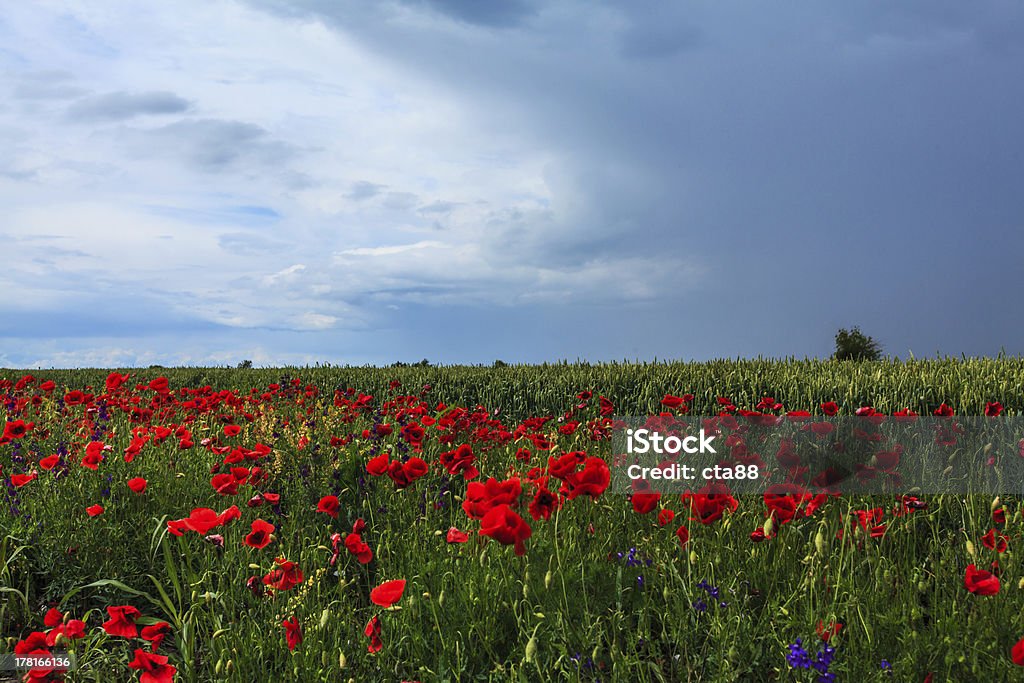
[828, 155]
[212, 145]
[118, 106]
[492, 14]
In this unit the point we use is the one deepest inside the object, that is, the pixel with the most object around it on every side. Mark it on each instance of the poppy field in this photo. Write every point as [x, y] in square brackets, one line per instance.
[458, 524]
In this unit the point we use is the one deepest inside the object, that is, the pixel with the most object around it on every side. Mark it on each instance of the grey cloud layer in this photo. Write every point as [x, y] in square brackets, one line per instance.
[518, 179]
[121, 105]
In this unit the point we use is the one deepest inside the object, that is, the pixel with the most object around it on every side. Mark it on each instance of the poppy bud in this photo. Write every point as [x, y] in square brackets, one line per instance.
[769, 525]
[342, 662]
[693, 557]
[547, 580]
[996, 503]
[819, 542]
[970, 548]
[219, 668]
[440, 599]
[531, 649]
[229, 667]
[323, 617]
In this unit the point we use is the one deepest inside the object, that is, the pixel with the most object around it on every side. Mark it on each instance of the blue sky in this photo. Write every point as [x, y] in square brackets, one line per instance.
[366, 182]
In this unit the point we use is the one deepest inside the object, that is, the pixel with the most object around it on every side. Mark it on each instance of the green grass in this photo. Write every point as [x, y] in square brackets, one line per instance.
[569, 609]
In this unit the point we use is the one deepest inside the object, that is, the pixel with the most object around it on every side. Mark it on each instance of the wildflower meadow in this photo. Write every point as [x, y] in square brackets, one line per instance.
[459, 524]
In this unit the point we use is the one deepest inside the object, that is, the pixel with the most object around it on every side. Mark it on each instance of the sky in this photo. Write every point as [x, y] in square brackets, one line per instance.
[371, 181]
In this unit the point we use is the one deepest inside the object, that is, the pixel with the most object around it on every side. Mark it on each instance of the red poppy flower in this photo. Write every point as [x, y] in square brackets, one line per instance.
[355, 546]
[822, 428]
[155, 633]
[543, 504]
[286, 576]
[505, 526]
[378, 466]
[830, 408]
[292, 632]
[1017, 653]
[482, 497]
[138, 485]
[826, 632]
[159, 385]
[674, 402]
[980, 582]
[683, 534]
[993, 409]
[115, 380]
[19, 480]
[372, 631]
[93, 455]
[17, 429]
[943, 411]
[49, 462]
[665, 517]
[35, 641]
[993, 542]
[122, 621]
[202, 520]
[999, 516]
[73, 629]
[232, 430]
[644, 502]
[154, 668]
[591, 481]
[52, 617]
[456, 536]
[94, 510]
[405, 473]
[710, 502]
[328, 505]
[460, 461]
[259, 537]
[225, 484]
[388, 593]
